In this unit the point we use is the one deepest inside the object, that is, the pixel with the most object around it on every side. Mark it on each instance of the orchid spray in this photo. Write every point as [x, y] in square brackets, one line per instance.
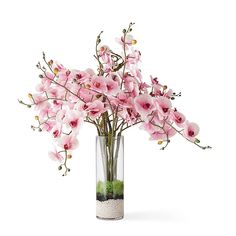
[113, 99]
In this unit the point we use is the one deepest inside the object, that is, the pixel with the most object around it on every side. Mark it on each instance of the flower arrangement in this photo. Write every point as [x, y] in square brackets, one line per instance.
[113, 99]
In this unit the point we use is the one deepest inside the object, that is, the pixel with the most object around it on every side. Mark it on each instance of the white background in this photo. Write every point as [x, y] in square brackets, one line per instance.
[191, 47]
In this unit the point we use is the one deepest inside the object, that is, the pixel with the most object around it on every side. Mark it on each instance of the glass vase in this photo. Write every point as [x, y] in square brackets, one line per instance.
[110, 177]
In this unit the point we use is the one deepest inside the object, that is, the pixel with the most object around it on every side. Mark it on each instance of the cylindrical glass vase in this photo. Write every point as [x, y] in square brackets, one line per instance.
[110, 177]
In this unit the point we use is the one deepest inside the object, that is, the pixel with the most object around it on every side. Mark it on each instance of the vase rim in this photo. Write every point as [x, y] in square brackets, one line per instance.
[103, 136]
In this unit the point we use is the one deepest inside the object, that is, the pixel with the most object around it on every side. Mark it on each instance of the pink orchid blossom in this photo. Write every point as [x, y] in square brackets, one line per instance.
[57, 104]
[55, 156]
[80, 76]
[178, 118]
[163, 134]
[152, 124]
[68, 142]
[65, 78]
[104, 52]
[42, 87]
[144, 105]
[57, 67]
[61, 116]
[48, 125]
[131, 85]
[163, 105]
[134, 57]
[112, 87]
[104, 49]
[56, 92]
[144, 87]
[73, 119]
[95, 109]
[191, 130]
[128, 41]
[40, 101]
[86, 94]
[149, 127]
[56, 130]
[122, 100]
[98, 84]
[137, 74]
[168, 93]
[46, 110]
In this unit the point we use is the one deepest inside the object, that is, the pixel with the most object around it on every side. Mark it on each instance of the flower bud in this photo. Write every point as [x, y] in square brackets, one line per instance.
[50, 62]
[55, 71]
[36, 117]
[69, 156]
[159, 142]
[165, 87]
[197, 141]
[59, 167]
[30, 95]
[134, 42]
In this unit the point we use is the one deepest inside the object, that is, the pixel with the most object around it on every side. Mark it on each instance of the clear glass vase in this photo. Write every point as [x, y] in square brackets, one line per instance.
[110, 177]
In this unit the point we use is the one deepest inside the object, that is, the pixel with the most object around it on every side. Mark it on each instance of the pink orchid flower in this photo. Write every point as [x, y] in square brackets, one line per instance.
[137, 74]
[147, 126]
[104, 49]
[104, 52]
[163, 105]
[42, 87]
[80, 76]
[47, 126]
[55, 156]
[95, 109]
[168, 93]
[151, 125]
[40, 101]
[57, 105]
[131, 85]
[98, 84]
[163, 134]
[122, 100]
[129, 41]
[144, 87]
[56, 92]
[130, 115]
[144, 105]
[57, 67]
[56, 130]
[46, 111]
[86, 95]
[178, 118]
[112, 87]
[73, 119]
[133, 57]
[191, 130]
[65, 78]
[68, 142]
